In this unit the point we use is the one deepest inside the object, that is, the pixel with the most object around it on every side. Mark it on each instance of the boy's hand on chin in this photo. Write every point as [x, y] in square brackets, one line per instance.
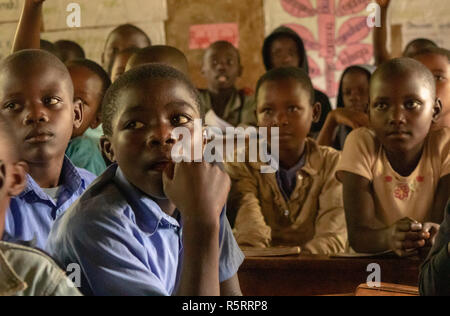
[406, 236]
[199, 190]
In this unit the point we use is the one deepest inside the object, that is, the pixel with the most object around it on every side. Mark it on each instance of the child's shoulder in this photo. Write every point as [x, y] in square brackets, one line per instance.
[440, 136]
[322, 156]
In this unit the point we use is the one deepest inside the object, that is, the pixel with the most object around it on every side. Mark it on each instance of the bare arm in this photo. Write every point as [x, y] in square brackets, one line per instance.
[231, 287]
[28, 32]
[199, 191]
[404, 235]
[340, 116]
[381, 53]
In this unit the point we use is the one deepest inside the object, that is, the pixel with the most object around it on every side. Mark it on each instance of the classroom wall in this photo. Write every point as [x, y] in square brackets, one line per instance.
[249, 16]
[246, 21]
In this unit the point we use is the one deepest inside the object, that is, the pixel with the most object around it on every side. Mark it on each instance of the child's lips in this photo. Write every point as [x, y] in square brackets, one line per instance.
[222, 78]
[37, 137]
[160, 165]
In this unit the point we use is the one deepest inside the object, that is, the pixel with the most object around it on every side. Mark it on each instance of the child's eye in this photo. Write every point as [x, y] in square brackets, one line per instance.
[293, 108]
[381, 106]
[12, 106]
[440, 78]
[51, 101]
[267, 111]
[180, 120]
[413, 104]
[134, 125]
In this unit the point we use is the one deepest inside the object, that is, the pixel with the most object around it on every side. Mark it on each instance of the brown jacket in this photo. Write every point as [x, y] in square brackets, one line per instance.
[314, 216]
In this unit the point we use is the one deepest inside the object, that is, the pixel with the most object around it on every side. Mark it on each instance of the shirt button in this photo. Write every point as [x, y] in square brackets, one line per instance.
[286, 213]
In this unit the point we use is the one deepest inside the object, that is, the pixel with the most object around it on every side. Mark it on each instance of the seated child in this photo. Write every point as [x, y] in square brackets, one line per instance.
[162, 54]
[120, 62]
[23, 271]
[435, 272]
[122, 37]
[147, 227]
[69, 50]
[90, 83]
[352, 103]
[36, 94]
[224, 105]
[437, 60]
[285, 48]
[380, 51]
[396, 175]
[301, 204]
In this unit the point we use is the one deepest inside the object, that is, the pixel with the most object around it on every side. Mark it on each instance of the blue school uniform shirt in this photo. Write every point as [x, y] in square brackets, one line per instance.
[32, 214]
[125, 244]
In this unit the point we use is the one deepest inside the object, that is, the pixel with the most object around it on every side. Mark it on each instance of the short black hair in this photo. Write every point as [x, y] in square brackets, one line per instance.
[66, 45]
[405, 65]
[95, 68]
[135, 76]
[160, 54]
[282, 73]
[30, 57]
[420, 43]
[433, 51]
[128, 28]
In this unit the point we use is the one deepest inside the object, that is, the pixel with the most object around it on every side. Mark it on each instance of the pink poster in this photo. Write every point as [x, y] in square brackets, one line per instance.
[203, 35]
[338, 45]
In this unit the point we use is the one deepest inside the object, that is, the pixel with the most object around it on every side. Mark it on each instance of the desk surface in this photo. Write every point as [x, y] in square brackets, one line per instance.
[320, 275]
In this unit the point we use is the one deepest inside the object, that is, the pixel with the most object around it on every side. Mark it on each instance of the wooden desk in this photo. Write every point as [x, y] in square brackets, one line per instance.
[319, 275]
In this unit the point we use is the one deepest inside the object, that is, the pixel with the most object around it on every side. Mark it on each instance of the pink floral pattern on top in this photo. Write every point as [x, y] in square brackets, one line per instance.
[402, 191]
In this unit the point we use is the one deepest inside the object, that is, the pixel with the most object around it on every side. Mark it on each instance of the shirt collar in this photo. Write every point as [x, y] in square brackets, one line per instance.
[10, 283]
[71, 181]
[312, 159]
[148, 214]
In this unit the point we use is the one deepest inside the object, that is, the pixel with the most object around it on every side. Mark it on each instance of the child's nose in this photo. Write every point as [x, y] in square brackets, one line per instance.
[397, 115]
[36, 114]
[161, 135]
[281, 119]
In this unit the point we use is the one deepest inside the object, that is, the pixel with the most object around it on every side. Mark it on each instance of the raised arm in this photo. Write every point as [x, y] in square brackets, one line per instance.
[381, 53]
[28, 32]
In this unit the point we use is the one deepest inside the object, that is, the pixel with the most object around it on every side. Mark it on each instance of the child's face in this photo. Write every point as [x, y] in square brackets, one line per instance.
[12, 178]
[284, 53]
[221, 67]
[88, 89]
[286, 104]
[39, 104]
[118, 42]
[401, 111]
[141, 141]
[119, 65]
[440, 67]
[355, 90]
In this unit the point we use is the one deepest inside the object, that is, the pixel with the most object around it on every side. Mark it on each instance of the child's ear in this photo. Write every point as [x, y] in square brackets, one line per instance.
[437, 110]
[78, 110]
[107, 149]
[18, 178]
[317, 111]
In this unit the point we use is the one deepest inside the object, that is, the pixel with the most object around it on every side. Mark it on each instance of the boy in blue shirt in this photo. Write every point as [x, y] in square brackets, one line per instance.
[36, 94]
[147, 226]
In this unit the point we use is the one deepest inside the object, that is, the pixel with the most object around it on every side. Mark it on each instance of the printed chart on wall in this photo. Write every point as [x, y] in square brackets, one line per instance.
[335, 33]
